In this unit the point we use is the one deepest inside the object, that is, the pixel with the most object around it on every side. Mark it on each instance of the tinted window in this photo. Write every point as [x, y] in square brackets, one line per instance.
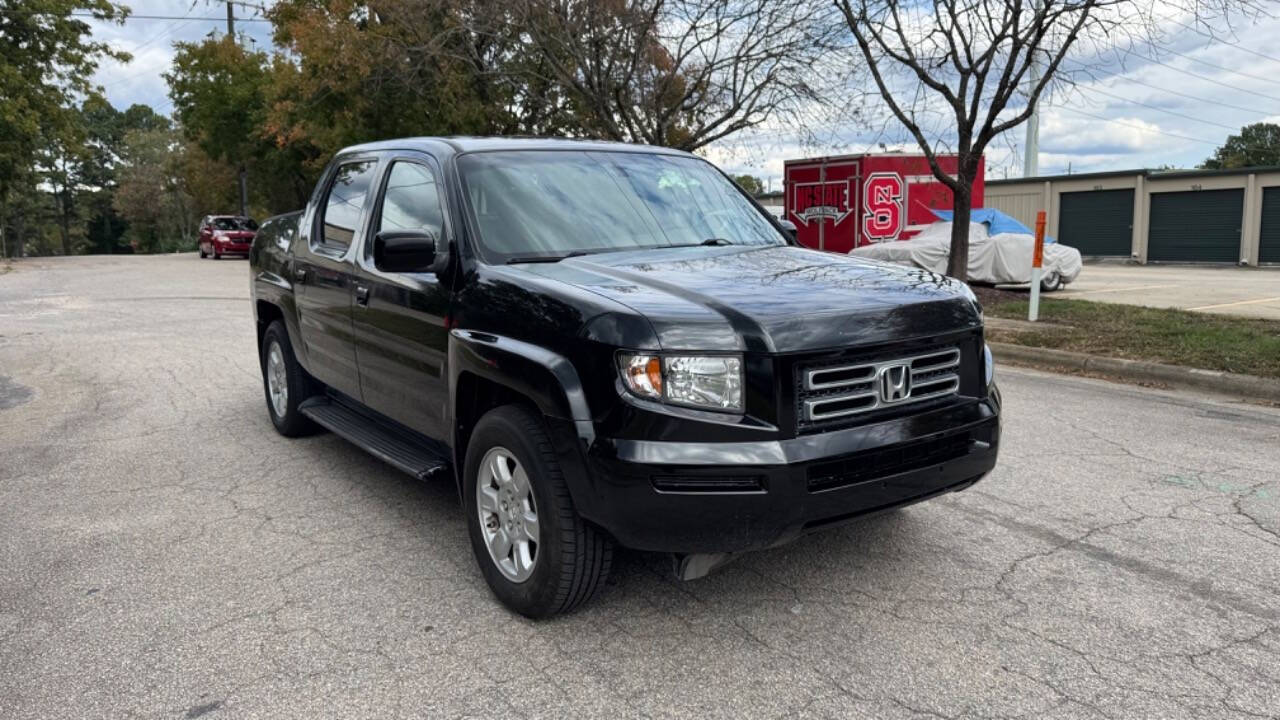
[544, 203]
[412, 200]
[234, 223]
[345, 200]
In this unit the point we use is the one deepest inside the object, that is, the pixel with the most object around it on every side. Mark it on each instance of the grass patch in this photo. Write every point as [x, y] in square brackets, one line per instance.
[1174, 337]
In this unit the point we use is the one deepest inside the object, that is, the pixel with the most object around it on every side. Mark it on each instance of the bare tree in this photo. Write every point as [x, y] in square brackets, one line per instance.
[679, 73]
[986, 63]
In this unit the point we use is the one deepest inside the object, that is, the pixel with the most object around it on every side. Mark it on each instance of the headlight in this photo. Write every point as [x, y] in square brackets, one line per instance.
[988, 364]
[712, 382]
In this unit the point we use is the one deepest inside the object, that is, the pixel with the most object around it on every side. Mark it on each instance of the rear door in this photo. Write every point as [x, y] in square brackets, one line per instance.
[400, 319]
[324, 271]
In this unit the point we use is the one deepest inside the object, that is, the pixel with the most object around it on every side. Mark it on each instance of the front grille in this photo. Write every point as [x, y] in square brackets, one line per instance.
[873, 464]
[835, 392]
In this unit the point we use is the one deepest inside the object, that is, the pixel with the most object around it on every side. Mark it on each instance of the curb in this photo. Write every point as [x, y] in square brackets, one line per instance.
[1246, 386]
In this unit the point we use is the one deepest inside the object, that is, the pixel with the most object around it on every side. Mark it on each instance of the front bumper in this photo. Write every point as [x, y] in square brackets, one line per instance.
[691, 497]
[232, 248]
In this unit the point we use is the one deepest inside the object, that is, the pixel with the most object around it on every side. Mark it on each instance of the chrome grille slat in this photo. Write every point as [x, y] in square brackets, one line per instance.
[827, 392]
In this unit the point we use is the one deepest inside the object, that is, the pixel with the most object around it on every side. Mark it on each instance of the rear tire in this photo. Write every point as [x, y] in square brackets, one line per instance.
[285, 384]
[1051, 281]
[565, 560]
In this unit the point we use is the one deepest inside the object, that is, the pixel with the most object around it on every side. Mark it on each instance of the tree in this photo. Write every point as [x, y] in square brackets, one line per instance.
[1257, 145]
[152, 195]
[217, 88]
[983, 66]
[677, 73]
[750, 183]
[105, 130]
[46, 58]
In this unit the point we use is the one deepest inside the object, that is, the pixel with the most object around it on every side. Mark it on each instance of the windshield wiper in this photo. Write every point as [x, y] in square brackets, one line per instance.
[546, 258]
[715, 242]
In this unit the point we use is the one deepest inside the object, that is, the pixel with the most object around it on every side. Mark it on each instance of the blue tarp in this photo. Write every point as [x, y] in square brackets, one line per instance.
[996, 221]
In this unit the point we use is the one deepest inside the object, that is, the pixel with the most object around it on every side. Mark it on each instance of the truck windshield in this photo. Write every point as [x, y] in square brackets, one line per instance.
[539, 204]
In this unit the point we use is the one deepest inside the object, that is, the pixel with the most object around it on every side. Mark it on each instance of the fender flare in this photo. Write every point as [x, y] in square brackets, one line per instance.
[548, 379]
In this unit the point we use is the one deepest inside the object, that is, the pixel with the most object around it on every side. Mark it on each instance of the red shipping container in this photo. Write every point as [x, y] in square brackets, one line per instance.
[839, 203]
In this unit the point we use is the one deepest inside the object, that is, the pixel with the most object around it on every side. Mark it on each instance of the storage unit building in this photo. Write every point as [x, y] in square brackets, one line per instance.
[1206, 216]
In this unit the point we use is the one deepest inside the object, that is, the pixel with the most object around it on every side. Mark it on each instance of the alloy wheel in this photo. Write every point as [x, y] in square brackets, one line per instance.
[508, 514]
[277, 380]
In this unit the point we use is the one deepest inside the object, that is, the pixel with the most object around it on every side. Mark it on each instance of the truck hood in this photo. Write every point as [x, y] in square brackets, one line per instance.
[769, 299]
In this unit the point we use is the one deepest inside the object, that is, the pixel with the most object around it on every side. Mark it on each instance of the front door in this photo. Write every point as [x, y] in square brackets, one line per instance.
[400, 319]
[323, 277]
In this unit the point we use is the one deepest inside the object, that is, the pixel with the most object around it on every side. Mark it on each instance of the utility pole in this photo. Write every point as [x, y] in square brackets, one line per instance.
[244, 175]
[1031, 149]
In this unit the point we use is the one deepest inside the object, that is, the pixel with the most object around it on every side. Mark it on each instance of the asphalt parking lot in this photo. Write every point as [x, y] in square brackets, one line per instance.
[163, 553]
[1243, 291]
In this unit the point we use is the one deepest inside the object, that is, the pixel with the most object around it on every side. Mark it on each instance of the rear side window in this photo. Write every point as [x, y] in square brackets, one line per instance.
[343, 203]
[412, 200]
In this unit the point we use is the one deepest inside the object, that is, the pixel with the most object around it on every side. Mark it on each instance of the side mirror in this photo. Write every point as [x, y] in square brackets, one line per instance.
[405, 250]
[788, 227]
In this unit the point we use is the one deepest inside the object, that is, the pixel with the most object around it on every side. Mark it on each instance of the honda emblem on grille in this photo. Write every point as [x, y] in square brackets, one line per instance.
[895, 383]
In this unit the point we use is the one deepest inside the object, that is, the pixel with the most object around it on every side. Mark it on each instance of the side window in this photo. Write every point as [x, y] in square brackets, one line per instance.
[346, 197]
[411, 200]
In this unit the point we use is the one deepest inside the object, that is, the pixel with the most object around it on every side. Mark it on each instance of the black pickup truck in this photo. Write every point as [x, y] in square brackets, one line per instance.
[603, 343]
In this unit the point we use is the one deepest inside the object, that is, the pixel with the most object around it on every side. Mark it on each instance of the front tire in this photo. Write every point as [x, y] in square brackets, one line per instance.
[285, 384]
[203, 254]
[539, 557]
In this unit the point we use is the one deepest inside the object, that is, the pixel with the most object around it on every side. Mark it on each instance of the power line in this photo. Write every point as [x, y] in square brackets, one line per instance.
[1223, 68]
[1229, 86]
[1217, 103]
[1160, 109]
[1215, 38]
[1143, 128]
[172, 17]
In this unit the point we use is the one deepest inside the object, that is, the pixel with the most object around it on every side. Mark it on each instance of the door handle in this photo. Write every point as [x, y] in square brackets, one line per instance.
[362, 295]
[299, 273]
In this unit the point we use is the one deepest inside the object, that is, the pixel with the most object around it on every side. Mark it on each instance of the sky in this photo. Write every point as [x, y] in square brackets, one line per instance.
[1170, 111]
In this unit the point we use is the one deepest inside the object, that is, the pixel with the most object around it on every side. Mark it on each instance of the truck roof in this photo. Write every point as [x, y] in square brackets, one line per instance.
[464, 143]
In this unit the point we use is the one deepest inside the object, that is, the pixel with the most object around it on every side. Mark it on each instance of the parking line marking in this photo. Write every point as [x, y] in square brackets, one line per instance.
[1233, 304]
[1120, 289]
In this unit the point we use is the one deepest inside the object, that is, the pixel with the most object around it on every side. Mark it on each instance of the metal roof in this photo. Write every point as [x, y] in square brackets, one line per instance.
[1144, 172]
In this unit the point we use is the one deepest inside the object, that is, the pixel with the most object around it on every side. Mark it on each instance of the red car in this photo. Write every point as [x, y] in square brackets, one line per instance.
[226, 235]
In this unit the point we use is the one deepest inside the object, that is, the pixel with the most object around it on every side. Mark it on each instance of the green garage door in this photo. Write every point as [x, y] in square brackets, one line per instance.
[1098, 222]
[1197, 226]
[1269, 245]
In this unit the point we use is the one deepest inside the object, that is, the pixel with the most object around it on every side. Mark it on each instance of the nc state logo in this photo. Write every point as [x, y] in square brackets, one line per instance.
[885, 201]
[821, 201]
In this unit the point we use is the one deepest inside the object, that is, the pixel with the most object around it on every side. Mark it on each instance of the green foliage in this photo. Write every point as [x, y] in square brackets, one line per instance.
[217, 91]
[1257, 145]
[46, 58]
[750, 183]
[152, 194]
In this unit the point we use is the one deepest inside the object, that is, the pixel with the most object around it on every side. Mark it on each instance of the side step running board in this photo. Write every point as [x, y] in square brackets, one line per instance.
[392, 445]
